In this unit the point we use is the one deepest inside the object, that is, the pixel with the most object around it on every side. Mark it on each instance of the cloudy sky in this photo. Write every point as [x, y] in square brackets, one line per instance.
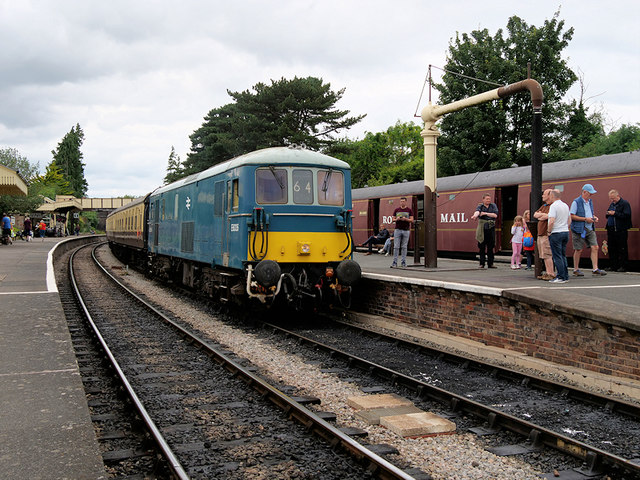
[139, 76]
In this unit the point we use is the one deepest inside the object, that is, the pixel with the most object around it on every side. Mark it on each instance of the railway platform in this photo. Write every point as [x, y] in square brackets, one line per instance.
[583, 330]
[45, 426]
[615, 296]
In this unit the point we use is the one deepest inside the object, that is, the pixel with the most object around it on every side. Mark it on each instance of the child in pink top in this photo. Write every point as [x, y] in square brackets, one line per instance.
[516, 241]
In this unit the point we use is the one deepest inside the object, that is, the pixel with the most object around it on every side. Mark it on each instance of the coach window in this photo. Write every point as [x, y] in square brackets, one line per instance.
[330, 187]
[302, 187]
[163, 210]
[271, 185]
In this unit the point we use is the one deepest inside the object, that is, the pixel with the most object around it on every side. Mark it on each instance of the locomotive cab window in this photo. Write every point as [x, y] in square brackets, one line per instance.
[233, 196]
[302, 187]
[271, 185]
[330, 187]
[234, 201]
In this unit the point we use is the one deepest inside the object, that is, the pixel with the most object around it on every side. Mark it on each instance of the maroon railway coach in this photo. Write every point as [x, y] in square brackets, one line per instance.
[510, 188]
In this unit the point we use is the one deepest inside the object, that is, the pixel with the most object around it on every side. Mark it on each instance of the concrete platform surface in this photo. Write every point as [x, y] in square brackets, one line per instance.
[45, 427]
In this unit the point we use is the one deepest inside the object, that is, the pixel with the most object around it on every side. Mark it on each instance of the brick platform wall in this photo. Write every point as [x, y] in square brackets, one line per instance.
[500, 322]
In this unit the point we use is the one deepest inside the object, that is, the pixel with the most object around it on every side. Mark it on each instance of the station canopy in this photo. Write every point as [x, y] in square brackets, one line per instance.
[11, 182]
[62, 204]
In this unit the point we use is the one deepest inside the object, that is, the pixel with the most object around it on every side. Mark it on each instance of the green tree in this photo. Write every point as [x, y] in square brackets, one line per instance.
[286, 112]
[11, 158]
[174, 167]
[68, 157]
[385, 157]
[493, 136]
[581, 129]
[625, 139]
[52, 183]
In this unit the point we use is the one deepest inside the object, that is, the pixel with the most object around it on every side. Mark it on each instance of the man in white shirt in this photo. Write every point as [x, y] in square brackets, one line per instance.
[559, 222]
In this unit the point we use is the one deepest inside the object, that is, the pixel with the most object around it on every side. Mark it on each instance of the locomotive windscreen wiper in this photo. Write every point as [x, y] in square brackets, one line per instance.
[325, 184]
[273, 170]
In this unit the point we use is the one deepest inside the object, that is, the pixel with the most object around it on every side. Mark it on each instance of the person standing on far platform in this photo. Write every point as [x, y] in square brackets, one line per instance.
[27, 229]
[618, 224]
[403, 216]
[42, 228]
[583, 230]
[6, 227]
[558, 228]
[528, 243]
[486, 213]
[517, 230]
[544, 249]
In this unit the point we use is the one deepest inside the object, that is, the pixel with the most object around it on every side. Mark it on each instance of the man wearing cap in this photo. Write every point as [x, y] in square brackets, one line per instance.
[583, 231]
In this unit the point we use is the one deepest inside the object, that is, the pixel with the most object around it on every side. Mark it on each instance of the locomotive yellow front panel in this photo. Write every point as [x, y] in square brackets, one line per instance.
[297, 247]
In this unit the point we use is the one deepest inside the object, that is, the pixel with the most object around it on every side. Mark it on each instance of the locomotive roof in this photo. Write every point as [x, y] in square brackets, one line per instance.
[583, 167]
[266, 156]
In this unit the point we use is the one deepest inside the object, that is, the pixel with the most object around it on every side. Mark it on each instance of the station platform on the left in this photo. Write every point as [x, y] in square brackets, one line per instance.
[45, 426]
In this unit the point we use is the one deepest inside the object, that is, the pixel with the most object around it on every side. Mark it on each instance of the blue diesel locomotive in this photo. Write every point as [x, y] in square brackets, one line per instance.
[275, 223]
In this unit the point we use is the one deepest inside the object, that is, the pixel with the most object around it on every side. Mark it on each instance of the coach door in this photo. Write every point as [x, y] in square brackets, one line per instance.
[231, 249]
[219, 223]
[507, 202]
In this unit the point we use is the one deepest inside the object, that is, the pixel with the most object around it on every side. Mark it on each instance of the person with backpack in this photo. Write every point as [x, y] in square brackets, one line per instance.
[528, 244]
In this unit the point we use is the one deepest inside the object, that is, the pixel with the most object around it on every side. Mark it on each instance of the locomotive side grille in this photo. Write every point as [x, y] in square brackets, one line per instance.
[186, 245]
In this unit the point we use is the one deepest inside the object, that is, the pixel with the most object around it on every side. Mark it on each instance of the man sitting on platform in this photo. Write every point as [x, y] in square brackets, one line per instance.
[378, 239]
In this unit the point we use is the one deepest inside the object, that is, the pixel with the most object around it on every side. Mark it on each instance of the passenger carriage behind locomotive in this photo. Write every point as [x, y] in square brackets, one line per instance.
[510, 189]
[272, 223]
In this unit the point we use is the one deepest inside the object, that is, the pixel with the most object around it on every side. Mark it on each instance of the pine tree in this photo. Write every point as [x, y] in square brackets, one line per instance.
[68, 158]
[301, 111]
[174, 167]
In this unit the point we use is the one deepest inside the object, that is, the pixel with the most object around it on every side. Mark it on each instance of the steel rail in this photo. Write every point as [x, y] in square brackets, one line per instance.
[610, 404]
[174, 464]
[375, 464]
[593, 456]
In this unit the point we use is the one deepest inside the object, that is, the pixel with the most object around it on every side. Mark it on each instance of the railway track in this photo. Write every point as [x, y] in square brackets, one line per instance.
[209, 415]
[602, 432]
[124, 442]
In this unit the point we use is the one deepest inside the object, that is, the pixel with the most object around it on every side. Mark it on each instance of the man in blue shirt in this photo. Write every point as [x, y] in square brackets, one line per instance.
[6, 226]
[583, 230]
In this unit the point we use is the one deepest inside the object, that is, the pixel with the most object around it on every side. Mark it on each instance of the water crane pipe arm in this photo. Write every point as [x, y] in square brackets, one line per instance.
[432, 113]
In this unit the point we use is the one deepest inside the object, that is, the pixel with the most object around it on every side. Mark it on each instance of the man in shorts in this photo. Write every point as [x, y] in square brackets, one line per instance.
[583, 231]
[544, 249]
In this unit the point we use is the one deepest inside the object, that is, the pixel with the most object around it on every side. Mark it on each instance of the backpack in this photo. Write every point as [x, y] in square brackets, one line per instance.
[527, 240]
